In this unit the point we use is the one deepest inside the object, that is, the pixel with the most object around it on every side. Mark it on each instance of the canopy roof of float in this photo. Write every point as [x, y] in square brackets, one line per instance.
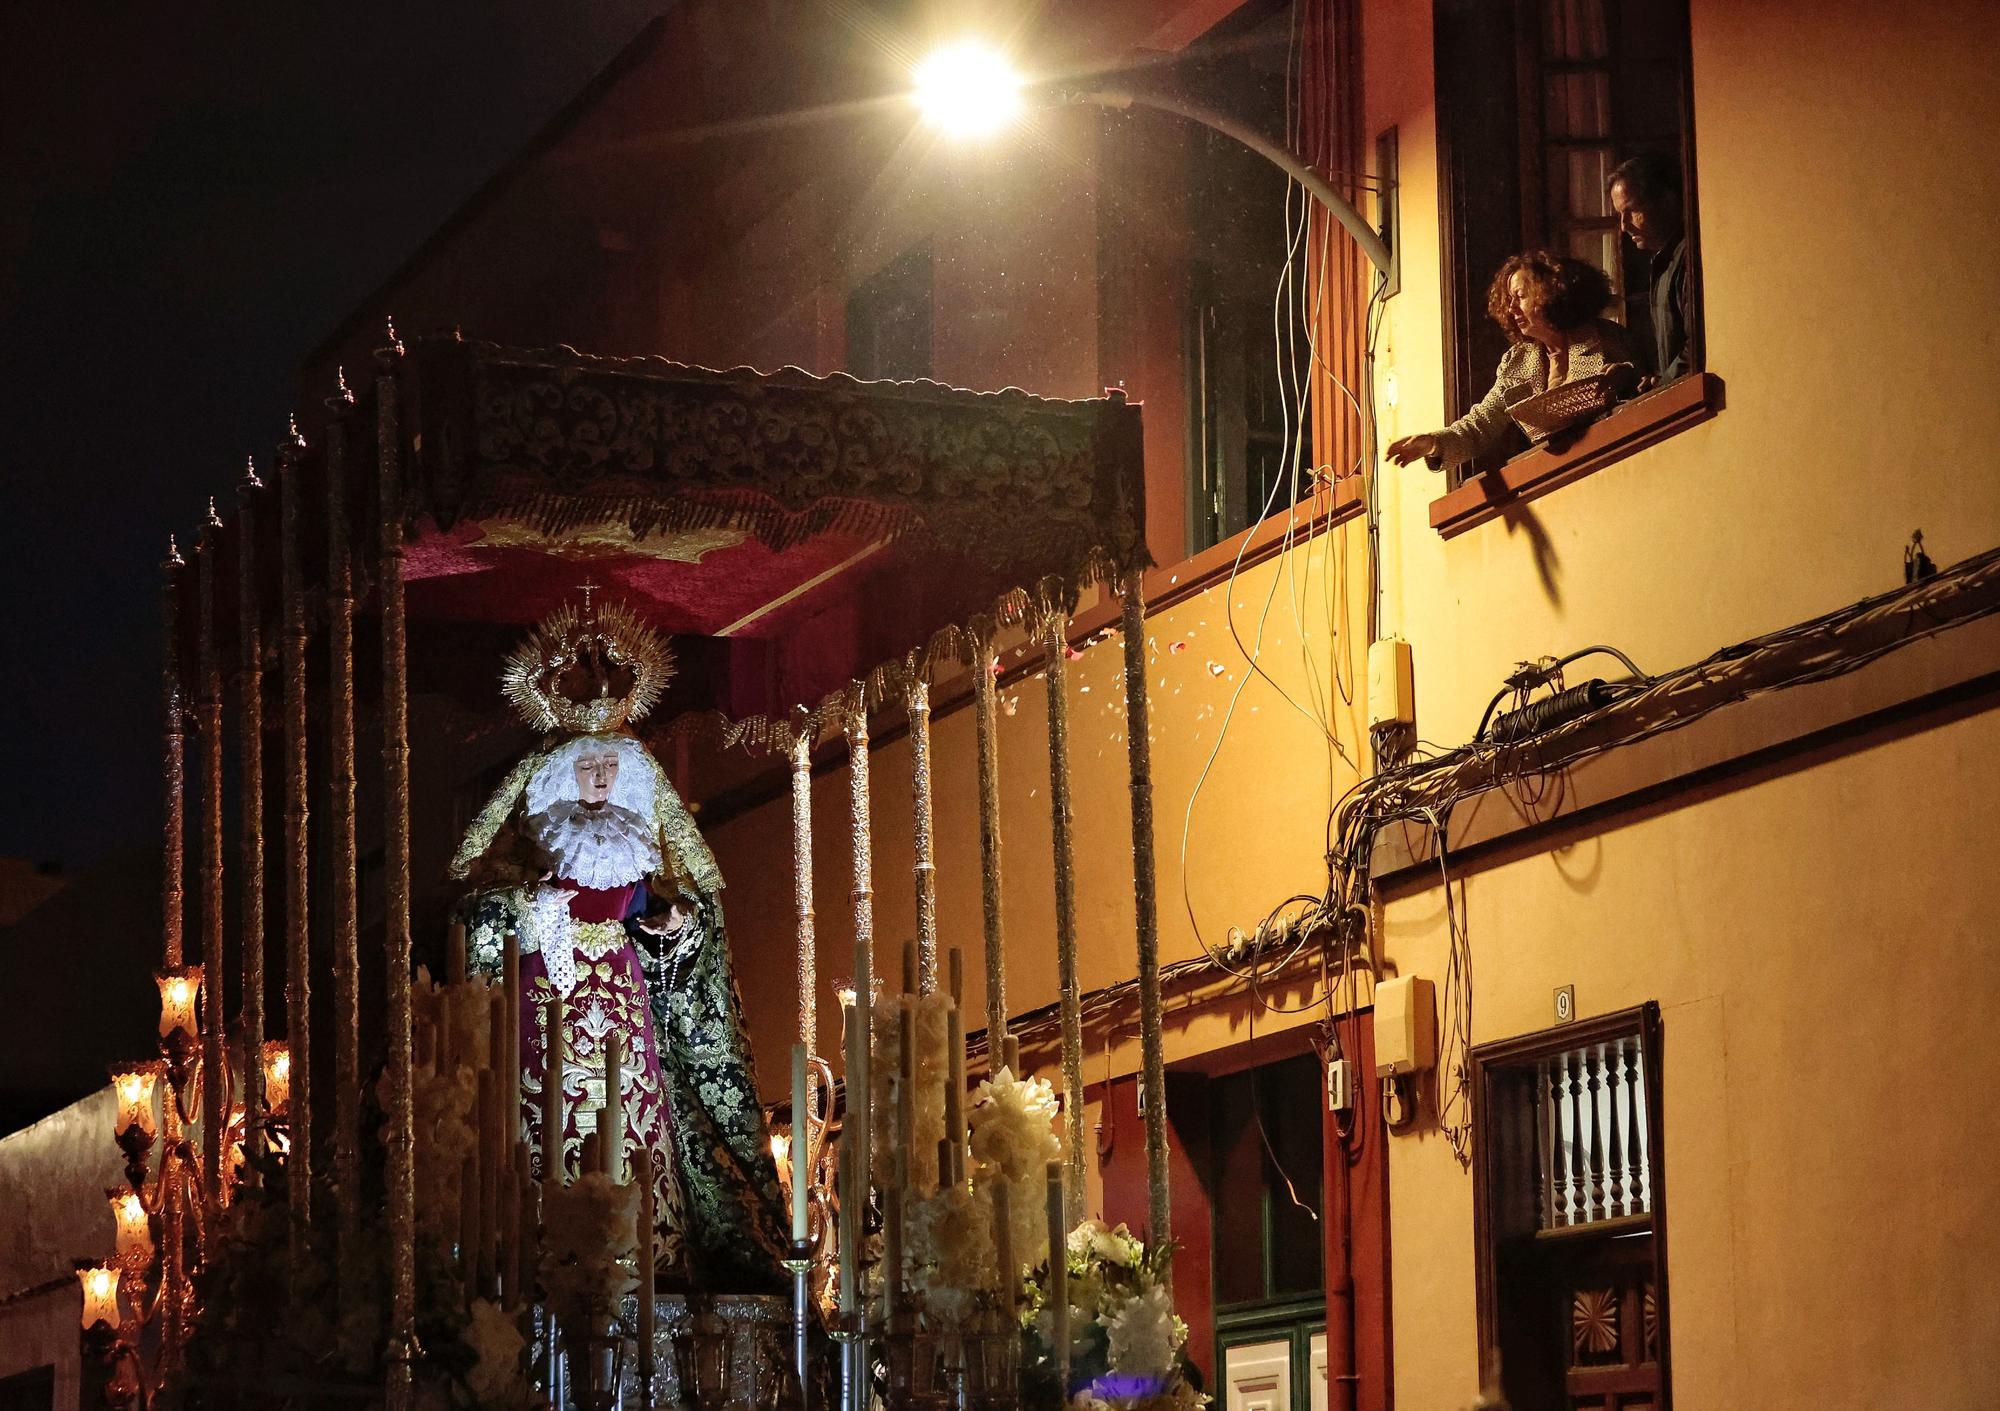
[837, 523]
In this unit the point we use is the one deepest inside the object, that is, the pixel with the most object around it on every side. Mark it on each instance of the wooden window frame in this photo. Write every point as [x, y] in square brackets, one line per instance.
[1487, 1063]
[1462, 306]
[1627, 429]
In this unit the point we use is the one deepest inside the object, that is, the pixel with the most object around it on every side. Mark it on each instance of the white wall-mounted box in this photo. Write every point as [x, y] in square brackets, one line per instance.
[1405, 1026]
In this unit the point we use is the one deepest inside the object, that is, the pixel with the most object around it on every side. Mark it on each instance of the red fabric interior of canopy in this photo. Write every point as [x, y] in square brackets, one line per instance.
[793, 624]
[459, 576]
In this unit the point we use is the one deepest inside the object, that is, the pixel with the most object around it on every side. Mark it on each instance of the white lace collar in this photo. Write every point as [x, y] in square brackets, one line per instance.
[601, 847]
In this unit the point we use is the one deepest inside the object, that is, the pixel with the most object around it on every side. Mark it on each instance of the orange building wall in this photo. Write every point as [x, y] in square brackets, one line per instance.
[1818, 942]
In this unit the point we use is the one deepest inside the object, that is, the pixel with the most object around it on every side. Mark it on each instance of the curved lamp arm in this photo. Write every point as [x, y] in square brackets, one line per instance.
[1287, 161]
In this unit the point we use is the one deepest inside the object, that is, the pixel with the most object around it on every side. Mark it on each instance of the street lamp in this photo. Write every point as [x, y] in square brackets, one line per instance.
[969, 89]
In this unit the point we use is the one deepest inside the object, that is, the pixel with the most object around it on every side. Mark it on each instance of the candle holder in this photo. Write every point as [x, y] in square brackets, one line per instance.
[846, 1333]
[596, 1357]
[993, 1369]
[919, 1367]
[276, 1056]
[799, 1260]
[180, 1031]
[101, 1319]
[704, 1350]
[135, 1127]
[135, 1233]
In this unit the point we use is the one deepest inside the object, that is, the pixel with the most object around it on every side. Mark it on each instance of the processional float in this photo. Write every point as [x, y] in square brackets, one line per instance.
[495, 480]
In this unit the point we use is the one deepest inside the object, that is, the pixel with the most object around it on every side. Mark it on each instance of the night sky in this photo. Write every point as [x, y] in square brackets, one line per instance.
[190, 198]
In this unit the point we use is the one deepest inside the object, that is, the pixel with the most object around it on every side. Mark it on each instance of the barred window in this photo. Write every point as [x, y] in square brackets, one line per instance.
[1569, 1214]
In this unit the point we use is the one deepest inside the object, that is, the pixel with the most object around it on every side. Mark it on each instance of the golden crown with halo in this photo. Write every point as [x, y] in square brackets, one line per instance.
[587, 647]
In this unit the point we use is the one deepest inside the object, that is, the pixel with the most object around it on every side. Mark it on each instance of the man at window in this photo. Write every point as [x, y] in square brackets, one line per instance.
[1646, 196]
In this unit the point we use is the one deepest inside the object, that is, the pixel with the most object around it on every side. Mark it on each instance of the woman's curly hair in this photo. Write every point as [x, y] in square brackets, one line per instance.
[1572, 291]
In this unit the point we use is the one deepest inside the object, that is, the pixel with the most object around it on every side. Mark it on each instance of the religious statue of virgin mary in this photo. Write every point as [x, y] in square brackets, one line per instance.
[589, 857]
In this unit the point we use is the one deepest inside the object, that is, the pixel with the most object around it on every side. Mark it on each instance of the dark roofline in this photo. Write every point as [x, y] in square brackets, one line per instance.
[371, 308]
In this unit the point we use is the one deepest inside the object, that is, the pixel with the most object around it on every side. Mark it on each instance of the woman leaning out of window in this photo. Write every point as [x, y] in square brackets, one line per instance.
[1548, 306]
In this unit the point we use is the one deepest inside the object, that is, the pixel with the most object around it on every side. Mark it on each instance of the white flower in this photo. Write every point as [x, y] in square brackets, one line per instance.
[1013, 1126]
[933, 1071]
[950, 1242]
[1141, 1335]
[1116, 1247]
[590, 1240]
[497, 1378]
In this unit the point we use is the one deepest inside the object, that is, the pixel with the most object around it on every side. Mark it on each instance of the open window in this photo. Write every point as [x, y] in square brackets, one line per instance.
[1570, 1214]
[1526, 148]
[1247, 342]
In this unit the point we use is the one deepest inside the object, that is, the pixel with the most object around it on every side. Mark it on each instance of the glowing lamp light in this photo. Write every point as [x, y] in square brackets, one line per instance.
[100, 1295]
[178, 992]
[278, 1078]
[968, 89]
[135, 1231]
[134, 1083]
[781, 1156]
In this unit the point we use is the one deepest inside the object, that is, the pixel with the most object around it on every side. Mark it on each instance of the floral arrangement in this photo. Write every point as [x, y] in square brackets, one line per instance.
[239, 1354]
[1127, 1346]
[933, 1070]
[951, 1253]
[590, 1247]
[1014, 1140]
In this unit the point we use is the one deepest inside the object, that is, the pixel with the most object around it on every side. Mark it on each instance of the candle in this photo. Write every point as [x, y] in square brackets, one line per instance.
[957, 971]
[496, 1028]
[858, 1096]
[852, 1140]
[613, 1125]
[1003, 1246]
[508, 1220]
[455, 953]
[954, 1098]
[518, 1192]
[1059, 1273]
[906, 1093]
[468, 1219]
[447, 1048]
[801, 1142]
[553, 1116]
[1010, 1053]
[593, 1153]
[647, 1286]
[510, 985]
[492, 1156]
[892, 1251]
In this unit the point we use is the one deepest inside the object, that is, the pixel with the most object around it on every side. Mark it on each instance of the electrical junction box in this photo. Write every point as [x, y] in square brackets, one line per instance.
[1340, 1085]
[1391, 693]
[1405, 1026]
